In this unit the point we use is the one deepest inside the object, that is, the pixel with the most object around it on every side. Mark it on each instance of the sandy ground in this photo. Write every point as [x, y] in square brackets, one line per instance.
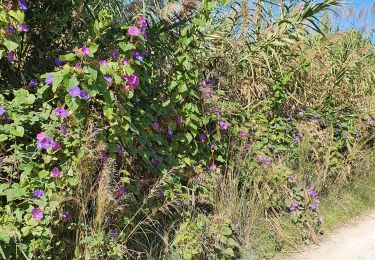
[350, 242]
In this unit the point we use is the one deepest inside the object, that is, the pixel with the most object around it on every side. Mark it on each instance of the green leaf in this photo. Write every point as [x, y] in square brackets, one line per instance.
[68, 57]
[3, 137]
[126, 46]
[10, 45]
[226, 231]
[18, 15]
[17, 131]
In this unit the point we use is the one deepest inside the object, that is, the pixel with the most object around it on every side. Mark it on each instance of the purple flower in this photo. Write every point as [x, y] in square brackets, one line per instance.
[114, 233]
[41, 136]
[84, 94]
[265, 160]
[38, 193]
[59, 62]
[371, 122]
[65, 216]
[294, 206]
[179, 121]
[202, 83]
[61, 112]
[63, 129]
[33, 83]
[10, 29]
[238, 225]
[291, 177]
[37, 214]
[243, 133]
[247, 147]
[85, 50]
[301, 113]
[23, 27]
[108, 79]
[74, 91]
[115, 96]
[312, 193]
[132, 80]
[314, 206]
[115, 54]
[358, 133]
[141, 22]
[223, 124]
[124, 61]
[156, 126]
[133, 31]
[155, 161]
[212, 145]
[55, 173]
[103, 157]
[23, 5]
[211, 82]
[49, 80]
[213, 167]
[2, 111]
[121, 191]
[55, 145]
[103, 63]
[170, 132]
[207, 92]
[202, 138]
[10, 57]
[296, 139]
[137, 55]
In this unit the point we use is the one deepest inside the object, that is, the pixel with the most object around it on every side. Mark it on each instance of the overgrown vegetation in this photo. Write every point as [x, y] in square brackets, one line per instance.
[194, 130]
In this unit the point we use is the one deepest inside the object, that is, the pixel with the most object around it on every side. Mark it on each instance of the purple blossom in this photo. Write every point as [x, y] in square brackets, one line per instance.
[23, 5]
[301, 113]
[170, 132]
[371, 122]
[312, 193]
[213, 167]
[33, 83]
[223, 124]
[291, 177]
[66, 216]
[55, 173]
[212, 145]
[114, 233]
[211, 82]
[108, 79]
[11, 29]
[115, 96]
[10, 57]
[49, 80]
[85, 50]
[103, 157]
[238, 225]
[247, 147]
[142, 22]
[23, 27]
[314, 206]
[124, 61]
[84, 94]
[37, 214]
[121, 191]
[55, 145]
[115, 54]
[358, 133]
[265, 160]
[132, 80]
[207, 92]
[179, 121]
[59, 62]
[137, 55]
[2, 111]
[202, 138]
[156, 126]
[74, 91]
[155, 162]
[38, 194]
[61, 112]
[243, 133]
[294, 206]
[296, 139]
[63, 129]
[133, 31]
[103, 63]
[202, 83]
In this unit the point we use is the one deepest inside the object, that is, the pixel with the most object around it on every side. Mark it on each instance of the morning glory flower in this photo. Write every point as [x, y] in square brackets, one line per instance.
[141, 22]
[115, 54]
[314, 206]
[202, 138]
[108, 79]
[33, 83]
[65, 216]
[37, 214]
[371, 122]
[132, 80]
[10, 29]
[120, 150]
[312, 193]
[121, 191]
[133, 31]
[2, 111]
[23, 5]
[103, 157]
[61, 112]
[296, 139]
[49, 80]
[114, 233]
[243, 133]
[124, 61]
[38, 193]
[10, 57]
[137, 55]
[23, 27]
[179, 121]
[203, 83]
[294, 206]
[213, 167]
[84, 94]
[85, 51]
[63, 129]
[223, 124]
[74, 91]
[55, 173]
[103, 63]
[211, 82]
[358, 133]
[59, 62]
[265, 160]
[170, 132]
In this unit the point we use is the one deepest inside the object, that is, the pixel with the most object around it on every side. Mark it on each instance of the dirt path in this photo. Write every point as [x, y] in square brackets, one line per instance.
[351, 242]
